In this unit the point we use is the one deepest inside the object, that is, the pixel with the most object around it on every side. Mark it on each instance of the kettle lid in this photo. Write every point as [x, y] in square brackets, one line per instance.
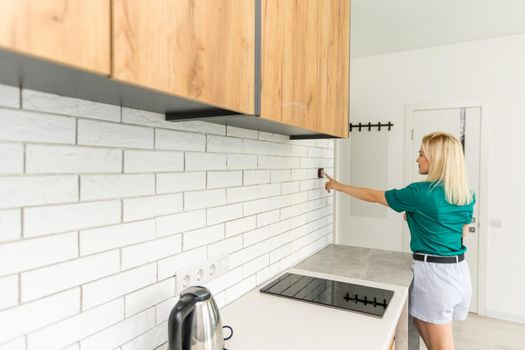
[200, 293]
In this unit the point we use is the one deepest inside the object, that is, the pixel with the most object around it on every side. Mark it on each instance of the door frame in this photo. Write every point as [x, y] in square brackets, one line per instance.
[482, 196]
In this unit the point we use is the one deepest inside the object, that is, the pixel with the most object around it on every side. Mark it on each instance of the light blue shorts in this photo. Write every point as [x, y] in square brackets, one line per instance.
[440, 293]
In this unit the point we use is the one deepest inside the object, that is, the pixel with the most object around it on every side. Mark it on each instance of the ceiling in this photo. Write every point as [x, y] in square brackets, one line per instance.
[382, 26]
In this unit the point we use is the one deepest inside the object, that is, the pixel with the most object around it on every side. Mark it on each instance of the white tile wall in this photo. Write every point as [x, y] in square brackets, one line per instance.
[100, 206]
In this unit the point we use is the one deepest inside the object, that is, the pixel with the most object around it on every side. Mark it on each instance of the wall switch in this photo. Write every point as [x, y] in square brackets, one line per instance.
[200, 273]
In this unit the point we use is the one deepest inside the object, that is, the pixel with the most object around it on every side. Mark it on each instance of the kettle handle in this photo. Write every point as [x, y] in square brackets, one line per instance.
[182, 309]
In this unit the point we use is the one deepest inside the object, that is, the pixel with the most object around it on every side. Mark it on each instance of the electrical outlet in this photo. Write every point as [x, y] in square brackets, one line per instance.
[199, 274]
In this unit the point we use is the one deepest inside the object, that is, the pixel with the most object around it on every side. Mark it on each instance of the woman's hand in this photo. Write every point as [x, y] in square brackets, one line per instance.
[331, 184]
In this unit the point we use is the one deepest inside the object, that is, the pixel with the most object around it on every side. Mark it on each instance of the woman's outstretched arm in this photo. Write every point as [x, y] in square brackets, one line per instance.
[363, 193]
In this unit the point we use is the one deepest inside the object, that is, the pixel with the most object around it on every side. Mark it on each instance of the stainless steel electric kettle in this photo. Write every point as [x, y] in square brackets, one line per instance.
[194, 322]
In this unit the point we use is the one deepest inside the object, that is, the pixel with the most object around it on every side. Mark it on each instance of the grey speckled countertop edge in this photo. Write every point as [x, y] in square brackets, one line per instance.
[376, 265]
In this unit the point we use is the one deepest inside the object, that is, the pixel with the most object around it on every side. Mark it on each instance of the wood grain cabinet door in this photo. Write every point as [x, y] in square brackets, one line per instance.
[201, 50]
[305, 63]
[69, 32]
[333, 67]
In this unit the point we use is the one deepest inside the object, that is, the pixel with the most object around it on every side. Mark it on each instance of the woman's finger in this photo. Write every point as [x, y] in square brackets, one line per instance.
[329, 177]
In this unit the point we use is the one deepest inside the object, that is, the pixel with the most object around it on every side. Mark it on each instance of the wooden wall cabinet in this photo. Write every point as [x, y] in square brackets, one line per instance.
[69, 32]
[201, 50]
[305, 64]
[283, 65]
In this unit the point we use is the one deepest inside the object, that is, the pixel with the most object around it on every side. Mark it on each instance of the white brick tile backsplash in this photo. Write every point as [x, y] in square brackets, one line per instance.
[299, 174]
[169, 266]
[149, 340]
[149, 296]
[273, 137]
[265, 232]
[9, 96]
[75, 346]
[257, 206]
[243, 256]
[299, 151]
[203, 236]
[224, 213]
[179, 141]
[31, 316]
[268, 218]
[32, 253]
[37, 190]
[203, 127]
[243, 133]
[101, 207]
[35, 100]
[17, 344]
[224, 144]
[240, 194]
[310, 185]
[230, 278]
[241, 161]
[280, 149]
[110, 237]
[204, 199]
[10, 225]
[96, 133]
[255, 265]
[8, 291]
[289, 187]
[72, 329]
[280, 175]
[241, 225]
[12, 158]
[218, 179]
[150, 207]
[120, 333]
[267, 273]
[315, 152]
[322, 143]
[113, 186]
[139, 117]
[328, 153]
[153, 161]
[269, 190]
[279, 253]
[112, 287]
[151, 251]
[256, 147]
[254, 177]
[176, 223]
[225, 246]
[240, 288]
[72, 159]
[19, 125]
[169, 183]
[163, 309]
[65, 275]
[60, 218]
[205, 161]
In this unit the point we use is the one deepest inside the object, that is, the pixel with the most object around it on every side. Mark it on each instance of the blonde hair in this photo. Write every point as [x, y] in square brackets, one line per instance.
[447, 166]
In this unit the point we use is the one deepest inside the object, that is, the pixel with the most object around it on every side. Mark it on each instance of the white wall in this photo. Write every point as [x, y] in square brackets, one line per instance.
[491, 70]
[101, 205]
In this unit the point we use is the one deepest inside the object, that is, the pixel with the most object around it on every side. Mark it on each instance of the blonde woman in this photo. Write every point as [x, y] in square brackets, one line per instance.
[437, 211]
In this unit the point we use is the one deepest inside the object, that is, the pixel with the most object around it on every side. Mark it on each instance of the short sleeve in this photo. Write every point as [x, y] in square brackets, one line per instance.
[404, 199]
[471, 209]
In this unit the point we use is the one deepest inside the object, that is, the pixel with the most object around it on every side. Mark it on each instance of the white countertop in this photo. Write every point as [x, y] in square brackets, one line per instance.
[262, 321]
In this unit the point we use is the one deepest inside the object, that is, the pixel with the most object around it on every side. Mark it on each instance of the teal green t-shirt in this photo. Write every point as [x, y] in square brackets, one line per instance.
[435, 225]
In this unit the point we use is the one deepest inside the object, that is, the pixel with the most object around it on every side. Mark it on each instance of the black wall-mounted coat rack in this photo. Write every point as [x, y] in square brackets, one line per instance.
[369, 126]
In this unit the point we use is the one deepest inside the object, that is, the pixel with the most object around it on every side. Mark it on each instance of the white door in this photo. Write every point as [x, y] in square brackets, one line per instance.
[465, 123]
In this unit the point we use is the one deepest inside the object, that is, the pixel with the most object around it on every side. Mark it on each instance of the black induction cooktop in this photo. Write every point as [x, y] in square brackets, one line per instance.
[348, 296]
